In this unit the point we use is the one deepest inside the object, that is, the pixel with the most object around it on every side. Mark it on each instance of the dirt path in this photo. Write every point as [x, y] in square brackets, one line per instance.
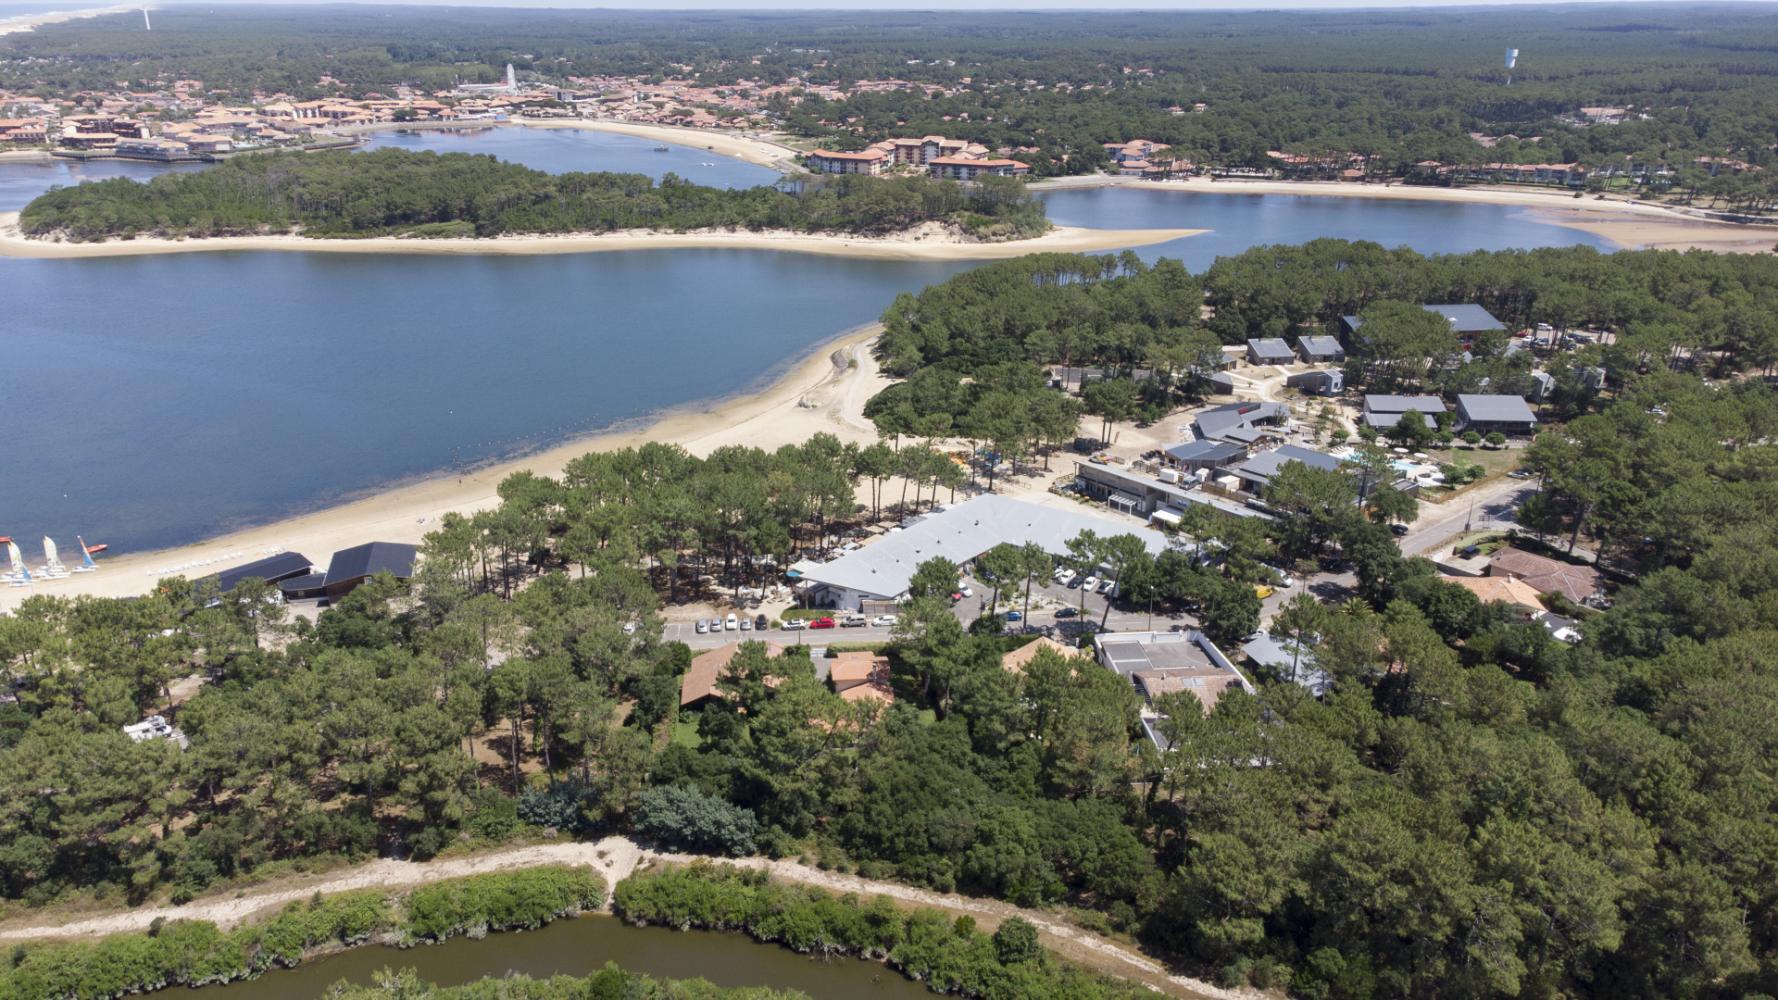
[616, 858]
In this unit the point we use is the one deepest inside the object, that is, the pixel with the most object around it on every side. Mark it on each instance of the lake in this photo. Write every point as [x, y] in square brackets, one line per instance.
[581, 946]
[156, 400]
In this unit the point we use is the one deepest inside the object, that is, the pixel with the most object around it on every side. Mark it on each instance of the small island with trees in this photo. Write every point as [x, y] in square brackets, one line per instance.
[393, 192]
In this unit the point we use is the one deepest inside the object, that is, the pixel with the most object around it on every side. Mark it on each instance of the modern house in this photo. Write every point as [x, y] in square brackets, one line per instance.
[1204, 454]
[1256, 473]
[698, 687]
[858, 676]
[1468, 321]
[1516, 594]
[1487, 413]
[1320, 349]
[869, 161]
[1269, 351]
[350, 567]
[1383, 411]
[1158, 663]
[1320, 382]
[958, 168]
[1241, 423]
[1547, 576]
[882, 569]
[274, 569]
[1155, 497]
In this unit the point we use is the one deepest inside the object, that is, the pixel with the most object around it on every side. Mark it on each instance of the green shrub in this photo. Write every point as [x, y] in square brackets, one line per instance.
[949, 956]
[500, 901]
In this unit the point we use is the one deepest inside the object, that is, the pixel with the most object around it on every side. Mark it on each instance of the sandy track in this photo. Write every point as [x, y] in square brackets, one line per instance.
[616, 858]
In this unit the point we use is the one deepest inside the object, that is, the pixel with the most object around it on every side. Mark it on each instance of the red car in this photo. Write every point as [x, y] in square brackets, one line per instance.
[821, 623]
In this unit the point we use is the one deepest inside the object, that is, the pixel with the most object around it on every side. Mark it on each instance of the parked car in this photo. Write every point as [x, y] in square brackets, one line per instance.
[883, 621]
[1106, 585]
[966, 591]
[1262, 591]
[703, 625]
[1015, 616]
[759, 623]
[1519, 474]
[1286, 581]
[746, 624]
[956, 596]
[1061, 571]
[1067, 612]
[795, 624]
[854, 621]
[1091, 583]
[1072, 579]
[821, 623]
[731, 622]
[1398, 530]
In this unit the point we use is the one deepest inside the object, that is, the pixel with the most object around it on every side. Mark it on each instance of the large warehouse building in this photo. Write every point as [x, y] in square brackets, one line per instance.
[881, 571]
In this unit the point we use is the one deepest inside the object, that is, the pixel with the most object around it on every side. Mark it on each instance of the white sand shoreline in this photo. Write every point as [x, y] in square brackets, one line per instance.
[28, 22]
[922, 246]
[824, 391]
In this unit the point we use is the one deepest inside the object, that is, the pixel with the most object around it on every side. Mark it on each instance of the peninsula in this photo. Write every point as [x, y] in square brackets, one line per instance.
[401, 193]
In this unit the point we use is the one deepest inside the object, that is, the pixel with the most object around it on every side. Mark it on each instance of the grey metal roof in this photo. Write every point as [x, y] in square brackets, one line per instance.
[1319, 344]
[1220, 421]
[1383, 403]
[370, 559]
[1270, 347]
[1276, 654]
[961, 533]
[1495, 409]
[1464, 317]
[271, 569]
[1262, 467]
[1205, 451]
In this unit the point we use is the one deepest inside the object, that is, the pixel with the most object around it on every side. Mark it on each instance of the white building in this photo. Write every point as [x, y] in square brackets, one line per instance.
[882, 569]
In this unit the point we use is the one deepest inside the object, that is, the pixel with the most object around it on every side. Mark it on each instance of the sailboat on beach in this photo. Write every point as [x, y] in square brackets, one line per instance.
[52, 561]
[86, 556]
[17, 574]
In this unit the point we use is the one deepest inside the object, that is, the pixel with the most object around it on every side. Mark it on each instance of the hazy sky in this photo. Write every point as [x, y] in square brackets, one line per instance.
[853, 5]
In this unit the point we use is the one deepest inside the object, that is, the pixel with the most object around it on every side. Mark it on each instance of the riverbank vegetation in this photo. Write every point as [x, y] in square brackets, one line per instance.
[397, 192]
[949, 955]
[1223, 88]
[198, 953]
[1548, 819]
[609, 983]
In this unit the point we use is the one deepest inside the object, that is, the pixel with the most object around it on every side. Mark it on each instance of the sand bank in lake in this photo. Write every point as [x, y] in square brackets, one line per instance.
[928, 244]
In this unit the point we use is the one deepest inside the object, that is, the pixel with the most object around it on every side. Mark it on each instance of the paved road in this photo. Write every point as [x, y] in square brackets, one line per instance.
[1493, 507]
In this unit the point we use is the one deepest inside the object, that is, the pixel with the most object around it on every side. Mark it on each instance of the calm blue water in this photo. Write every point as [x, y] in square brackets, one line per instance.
[560, 151]
[156, 400]
[1240, 221]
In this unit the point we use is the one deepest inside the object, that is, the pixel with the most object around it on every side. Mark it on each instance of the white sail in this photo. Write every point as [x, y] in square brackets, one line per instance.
[52, 562]
[14, 558]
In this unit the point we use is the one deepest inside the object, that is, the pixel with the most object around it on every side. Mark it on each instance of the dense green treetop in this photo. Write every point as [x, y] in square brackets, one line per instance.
[405, 193]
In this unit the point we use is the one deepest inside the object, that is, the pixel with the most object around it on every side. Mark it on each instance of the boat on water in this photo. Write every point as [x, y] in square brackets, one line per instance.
[663, 149]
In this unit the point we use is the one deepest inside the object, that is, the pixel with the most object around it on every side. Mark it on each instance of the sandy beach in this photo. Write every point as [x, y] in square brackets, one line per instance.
[823, 392]
[1627, 224]
[930, 243]
[12, 25]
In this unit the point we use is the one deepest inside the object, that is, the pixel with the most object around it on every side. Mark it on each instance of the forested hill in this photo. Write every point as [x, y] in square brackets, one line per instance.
[393, 192]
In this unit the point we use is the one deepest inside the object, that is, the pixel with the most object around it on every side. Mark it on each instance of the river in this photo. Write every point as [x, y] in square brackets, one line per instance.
[152, 401]
[581, 946]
